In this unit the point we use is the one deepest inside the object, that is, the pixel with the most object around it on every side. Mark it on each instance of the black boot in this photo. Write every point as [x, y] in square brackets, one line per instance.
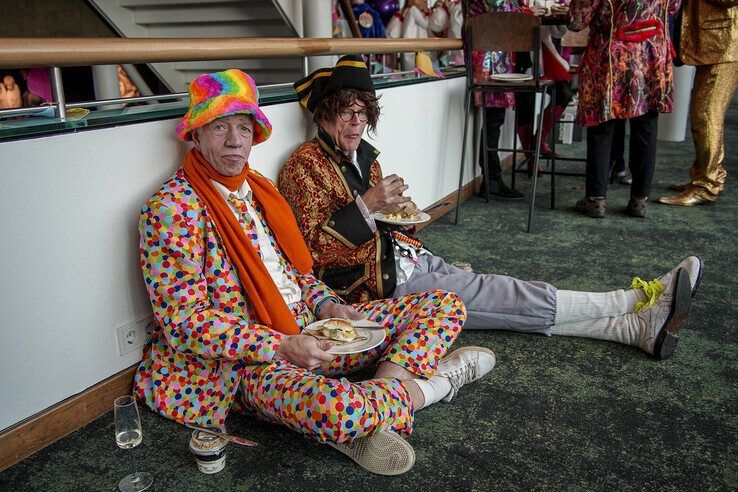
[498, 189]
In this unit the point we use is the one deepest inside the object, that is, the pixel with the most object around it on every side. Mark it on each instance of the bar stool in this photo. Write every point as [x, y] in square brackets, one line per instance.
[503, 31]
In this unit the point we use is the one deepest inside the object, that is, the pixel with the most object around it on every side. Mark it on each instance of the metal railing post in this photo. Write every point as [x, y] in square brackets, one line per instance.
[106, 84]
[57, 91]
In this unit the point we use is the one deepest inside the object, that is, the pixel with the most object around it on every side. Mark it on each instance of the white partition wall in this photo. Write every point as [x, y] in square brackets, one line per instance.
[70, 202]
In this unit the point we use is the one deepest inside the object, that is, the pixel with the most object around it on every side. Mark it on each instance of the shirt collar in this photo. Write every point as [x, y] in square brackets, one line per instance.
[244, 192]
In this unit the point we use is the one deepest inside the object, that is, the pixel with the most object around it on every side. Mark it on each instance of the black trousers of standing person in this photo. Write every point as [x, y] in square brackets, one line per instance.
[495, 120]
[617, 149]
[641, 157]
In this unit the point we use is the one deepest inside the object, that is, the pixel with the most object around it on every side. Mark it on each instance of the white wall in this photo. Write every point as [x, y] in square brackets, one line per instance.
[68, 255]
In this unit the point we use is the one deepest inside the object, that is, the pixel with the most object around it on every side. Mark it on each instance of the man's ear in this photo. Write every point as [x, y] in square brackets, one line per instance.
[196, 138]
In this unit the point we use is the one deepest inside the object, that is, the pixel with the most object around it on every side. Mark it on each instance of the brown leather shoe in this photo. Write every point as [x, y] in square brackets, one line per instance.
[679, 186]
[592, 208]
[686, 198]
[637, 207]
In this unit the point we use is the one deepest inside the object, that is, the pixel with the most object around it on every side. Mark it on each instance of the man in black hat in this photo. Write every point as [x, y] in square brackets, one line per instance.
[334, 184]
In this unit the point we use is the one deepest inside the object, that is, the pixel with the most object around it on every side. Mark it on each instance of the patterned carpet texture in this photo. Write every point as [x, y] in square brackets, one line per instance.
[556, 413]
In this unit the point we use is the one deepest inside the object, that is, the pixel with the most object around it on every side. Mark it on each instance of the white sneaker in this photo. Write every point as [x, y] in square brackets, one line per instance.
[383, 453]
[694, 267]
[465, 365]
[657, 327]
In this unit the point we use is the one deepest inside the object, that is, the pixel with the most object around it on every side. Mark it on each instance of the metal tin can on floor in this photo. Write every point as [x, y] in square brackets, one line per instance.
[209, 451]
[463, 266]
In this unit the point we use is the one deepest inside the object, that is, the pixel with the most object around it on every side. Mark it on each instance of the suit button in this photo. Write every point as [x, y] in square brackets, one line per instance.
[343, 168]
[385, 276]
[384, 257]
[356, 192]
[397, 248]
[331, 223]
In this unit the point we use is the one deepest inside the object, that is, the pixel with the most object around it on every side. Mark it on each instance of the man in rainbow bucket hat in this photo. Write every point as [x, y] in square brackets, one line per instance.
[231, 285]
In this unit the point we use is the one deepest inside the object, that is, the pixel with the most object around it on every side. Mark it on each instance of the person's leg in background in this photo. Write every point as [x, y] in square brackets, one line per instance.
[563, 96]
[497, 187]
[599, 141]
[712, 92]
[642, 161]
[618, 173]
[524, 106]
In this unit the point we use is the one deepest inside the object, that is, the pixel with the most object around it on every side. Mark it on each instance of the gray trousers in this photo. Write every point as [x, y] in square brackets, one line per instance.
[493, 302]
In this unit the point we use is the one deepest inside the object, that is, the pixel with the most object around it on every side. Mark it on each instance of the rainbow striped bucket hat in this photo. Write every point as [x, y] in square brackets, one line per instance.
[214, 95]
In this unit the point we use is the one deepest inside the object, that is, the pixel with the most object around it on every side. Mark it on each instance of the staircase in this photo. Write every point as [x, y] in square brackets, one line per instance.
[206, 19]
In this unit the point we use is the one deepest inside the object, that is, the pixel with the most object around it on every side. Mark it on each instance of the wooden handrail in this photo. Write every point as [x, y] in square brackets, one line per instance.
[69, 52]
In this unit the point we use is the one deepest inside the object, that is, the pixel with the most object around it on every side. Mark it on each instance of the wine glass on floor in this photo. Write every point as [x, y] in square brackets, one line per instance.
[128, 434]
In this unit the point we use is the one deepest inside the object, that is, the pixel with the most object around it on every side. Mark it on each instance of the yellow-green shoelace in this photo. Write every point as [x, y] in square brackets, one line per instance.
[652, 289]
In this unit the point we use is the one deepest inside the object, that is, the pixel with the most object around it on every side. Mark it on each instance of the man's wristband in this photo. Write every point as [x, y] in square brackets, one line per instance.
[319, 304]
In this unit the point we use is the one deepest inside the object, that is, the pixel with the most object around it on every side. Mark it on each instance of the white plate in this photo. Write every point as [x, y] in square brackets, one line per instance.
[370, 335]
[510, 77]
[423, 217]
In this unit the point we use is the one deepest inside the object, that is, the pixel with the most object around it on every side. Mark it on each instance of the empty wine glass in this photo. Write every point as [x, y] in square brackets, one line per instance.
[128, 434]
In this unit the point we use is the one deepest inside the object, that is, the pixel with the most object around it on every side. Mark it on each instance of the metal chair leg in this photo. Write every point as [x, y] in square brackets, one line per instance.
[536, 158]
[514, 147]
[552, 144]
[467, 101]
[485, 149]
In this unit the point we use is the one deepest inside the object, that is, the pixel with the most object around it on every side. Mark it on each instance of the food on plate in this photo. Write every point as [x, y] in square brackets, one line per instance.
[404, 211]
[337, 329]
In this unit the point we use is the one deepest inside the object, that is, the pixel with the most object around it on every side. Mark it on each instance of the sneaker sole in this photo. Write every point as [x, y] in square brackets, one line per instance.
[383, 453]
[668, 337]
[471, 348]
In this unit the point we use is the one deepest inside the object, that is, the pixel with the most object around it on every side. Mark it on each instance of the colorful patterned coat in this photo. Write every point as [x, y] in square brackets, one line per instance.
[321, 189]
[206, 331]
[623, 72]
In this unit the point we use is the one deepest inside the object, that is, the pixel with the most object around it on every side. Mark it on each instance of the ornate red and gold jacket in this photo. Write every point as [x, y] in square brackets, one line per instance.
[321, 186]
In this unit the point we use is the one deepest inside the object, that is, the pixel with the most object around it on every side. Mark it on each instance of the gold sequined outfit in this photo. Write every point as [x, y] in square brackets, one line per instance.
[709, 40]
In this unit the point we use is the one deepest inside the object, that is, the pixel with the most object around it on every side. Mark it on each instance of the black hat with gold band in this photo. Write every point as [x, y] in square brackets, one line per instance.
[350, 72]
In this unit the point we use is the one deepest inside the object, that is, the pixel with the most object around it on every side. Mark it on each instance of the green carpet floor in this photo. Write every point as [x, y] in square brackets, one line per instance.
[556, 413]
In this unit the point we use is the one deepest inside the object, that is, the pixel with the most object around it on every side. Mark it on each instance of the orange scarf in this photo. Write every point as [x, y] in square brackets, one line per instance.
[260, 289]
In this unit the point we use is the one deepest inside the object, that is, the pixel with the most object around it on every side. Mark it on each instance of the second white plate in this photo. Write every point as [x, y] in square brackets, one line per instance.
[422, 217]
[510, 77]
[370, 335]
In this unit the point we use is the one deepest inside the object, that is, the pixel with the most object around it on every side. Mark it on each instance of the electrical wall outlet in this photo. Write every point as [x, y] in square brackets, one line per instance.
[134, 335]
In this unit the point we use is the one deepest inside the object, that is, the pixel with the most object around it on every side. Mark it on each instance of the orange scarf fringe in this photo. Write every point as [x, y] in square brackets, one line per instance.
[260, 289]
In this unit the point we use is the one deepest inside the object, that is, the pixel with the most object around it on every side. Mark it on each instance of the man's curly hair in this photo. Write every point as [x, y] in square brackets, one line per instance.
[328, 108]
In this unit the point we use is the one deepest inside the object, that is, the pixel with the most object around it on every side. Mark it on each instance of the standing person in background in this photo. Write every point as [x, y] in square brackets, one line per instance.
[484, 64]
[415, 22]
[709, 40]
[625, 73]
[368, 19]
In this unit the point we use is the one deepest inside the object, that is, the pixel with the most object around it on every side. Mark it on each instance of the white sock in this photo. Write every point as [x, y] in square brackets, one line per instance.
[434, 389]
[573, 306]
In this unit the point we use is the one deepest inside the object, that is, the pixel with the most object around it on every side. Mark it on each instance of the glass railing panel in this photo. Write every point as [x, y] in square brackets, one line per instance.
[25, 125]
